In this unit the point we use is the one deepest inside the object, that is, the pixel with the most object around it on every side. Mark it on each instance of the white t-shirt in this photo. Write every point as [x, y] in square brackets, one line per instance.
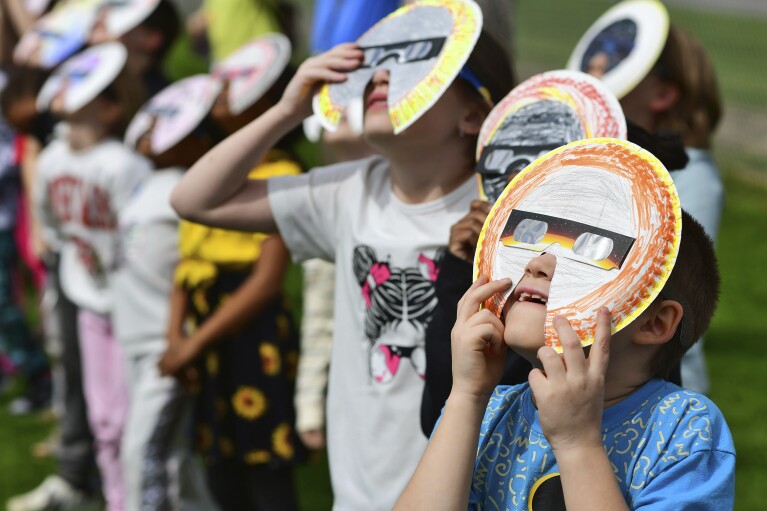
[148, 254]
[78, 196]
[385, 253]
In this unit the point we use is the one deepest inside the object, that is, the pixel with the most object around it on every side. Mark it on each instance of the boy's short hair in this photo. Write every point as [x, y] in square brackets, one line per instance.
[685, 63]
[694, 281]
[165, 20]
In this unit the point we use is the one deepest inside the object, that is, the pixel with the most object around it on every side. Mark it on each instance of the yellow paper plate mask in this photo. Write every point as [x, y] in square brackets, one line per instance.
[424, 45]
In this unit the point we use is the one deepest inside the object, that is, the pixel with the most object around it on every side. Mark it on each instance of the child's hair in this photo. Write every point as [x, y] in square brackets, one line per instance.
[694, 281]
[129, 94]
[24, 83]
[685, 63]
[165, 20]
[493, 67]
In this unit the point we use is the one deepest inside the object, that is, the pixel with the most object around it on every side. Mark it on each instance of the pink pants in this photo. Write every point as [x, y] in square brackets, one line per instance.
[106, 395]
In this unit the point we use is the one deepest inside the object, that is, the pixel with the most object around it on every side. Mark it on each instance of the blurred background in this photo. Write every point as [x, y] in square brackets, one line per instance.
[735, 34]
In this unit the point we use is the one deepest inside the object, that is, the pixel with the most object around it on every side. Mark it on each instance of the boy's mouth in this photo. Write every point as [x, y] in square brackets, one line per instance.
[377, 100]
[531, 295]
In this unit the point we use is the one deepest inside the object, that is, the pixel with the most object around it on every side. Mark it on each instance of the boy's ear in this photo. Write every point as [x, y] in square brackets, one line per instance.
[471, 123]
[659, 323]
[665, 96]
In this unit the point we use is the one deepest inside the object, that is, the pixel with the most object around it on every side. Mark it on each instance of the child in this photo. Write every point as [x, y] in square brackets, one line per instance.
[147, 41]
[685, 76]
[160, 470]
[23, 354]
[678, 93]
[548, 444]
[73, 483]
[84, 180]
[242, 349]
[383, 220]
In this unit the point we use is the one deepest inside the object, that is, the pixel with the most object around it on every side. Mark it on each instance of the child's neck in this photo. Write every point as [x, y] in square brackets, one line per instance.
[421, 175]
[83, 135]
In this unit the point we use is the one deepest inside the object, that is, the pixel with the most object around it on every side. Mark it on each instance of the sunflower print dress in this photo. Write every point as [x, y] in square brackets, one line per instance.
[244, 403]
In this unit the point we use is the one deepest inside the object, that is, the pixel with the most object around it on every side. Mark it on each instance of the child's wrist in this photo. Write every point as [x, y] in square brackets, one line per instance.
[470, 397]
[581, 449]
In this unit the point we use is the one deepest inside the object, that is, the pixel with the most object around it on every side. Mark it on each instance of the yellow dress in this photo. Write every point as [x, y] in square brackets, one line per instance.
[244, 408]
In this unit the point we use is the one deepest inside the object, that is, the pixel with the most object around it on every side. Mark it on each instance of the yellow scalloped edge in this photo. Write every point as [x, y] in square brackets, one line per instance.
[467, 24]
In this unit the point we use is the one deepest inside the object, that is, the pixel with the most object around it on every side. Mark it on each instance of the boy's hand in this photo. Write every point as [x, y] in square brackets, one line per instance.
[177, 357]
[477, 341]
[570, 391]
[465, 234]
[331, 66]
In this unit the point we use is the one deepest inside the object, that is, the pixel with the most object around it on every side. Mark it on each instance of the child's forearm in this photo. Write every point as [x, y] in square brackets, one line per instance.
[588, 480]
[179, 307]
[250, 299]
[442, 479]
[216, 190]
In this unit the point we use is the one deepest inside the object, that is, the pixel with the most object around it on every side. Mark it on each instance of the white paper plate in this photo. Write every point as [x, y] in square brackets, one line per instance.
[623, 45]
[176, 110]
[83, 77]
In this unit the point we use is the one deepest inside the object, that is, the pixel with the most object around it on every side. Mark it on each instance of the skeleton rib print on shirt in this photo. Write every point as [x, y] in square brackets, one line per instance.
[396, 299]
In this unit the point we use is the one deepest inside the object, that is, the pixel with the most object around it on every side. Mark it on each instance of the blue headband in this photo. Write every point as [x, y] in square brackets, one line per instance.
[470, 77]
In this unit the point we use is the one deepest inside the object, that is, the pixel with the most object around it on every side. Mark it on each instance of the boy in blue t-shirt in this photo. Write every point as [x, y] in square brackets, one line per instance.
[582, 433]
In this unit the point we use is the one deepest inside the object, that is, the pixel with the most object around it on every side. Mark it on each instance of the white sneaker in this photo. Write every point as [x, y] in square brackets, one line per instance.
[53, 493]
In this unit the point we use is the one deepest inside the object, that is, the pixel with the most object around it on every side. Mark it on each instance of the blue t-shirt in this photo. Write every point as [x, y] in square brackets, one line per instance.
[670, 449]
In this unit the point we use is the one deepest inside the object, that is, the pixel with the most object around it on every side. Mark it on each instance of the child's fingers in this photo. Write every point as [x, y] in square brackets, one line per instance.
[552, 363]
[599, 356]
[571, 345]
[478, 295]
[479, 282]
[537, 380]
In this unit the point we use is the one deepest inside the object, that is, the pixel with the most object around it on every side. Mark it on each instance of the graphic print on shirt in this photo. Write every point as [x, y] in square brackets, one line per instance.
[547, 494]
[399, 303]
[76, 202]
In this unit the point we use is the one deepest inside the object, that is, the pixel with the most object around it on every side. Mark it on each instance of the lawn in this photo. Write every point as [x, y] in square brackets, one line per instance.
[546, 31]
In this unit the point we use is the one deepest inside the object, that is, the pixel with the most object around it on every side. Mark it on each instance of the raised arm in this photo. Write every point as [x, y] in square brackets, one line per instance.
[216, 191]
[442, 479]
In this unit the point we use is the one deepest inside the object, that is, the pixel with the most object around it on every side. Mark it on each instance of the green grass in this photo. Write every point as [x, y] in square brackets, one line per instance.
[20, 472]
[734, 342]
[548, 30]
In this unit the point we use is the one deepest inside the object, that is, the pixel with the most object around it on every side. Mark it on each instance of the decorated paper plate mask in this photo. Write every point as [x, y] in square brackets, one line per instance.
[174, 112]
[252, 70]
[83, 77]
[542, 113]
[608, 211]
[57, 35]
[423, 45]
[623, 45]
[117, 17]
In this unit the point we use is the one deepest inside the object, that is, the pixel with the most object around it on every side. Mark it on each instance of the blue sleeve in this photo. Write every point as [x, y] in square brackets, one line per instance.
[343, 21]
[703, 481]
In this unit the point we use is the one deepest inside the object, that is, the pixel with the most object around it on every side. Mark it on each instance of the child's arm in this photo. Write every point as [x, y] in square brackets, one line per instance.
[179, 307]
[442, 479]
[252, 297]
[216, 191]
[570, 395]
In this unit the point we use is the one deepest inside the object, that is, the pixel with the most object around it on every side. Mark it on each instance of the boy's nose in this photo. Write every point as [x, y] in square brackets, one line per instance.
[542, 267]
[380, 77]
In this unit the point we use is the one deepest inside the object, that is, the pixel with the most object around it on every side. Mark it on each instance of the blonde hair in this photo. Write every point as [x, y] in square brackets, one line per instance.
[696, 114]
